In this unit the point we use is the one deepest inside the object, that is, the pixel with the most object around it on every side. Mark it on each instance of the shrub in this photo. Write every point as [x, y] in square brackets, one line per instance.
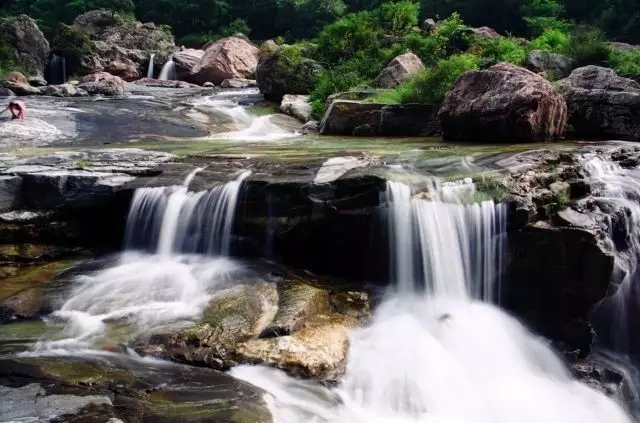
[587, 46]
[329, 82]
[502, 49]
[554, 40]
[449, 37]
[398, 17]
[625, 63]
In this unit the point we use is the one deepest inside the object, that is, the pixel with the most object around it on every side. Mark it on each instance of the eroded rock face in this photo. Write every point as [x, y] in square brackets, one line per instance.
[601, 104]
[504, 103]
[398, 70]
[29, 45]
[227, 58]
[186, 60]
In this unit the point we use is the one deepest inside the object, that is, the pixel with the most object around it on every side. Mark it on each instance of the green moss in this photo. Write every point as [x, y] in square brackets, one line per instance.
[30, 277]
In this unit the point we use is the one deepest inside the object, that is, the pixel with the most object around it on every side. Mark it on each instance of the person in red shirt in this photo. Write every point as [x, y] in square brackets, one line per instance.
[17, 109]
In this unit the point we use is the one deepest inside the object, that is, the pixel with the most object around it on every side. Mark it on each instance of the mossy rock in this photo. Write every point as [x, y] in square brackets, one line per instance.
[76, 47]
[287, 71]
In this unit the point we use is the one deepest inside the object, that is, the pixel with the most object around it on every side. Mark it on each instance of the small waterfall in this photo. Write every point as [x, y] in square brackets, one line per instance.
[171, 220]
[433, 352]
[57, 70]
[618, 195]
[150, 68]
[168, 71]
[452, 249]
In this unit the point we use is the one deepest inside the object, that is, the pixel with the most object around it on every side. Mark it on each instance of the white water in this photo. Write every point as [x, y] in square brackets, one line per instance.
[143, 292]
[168, 71]
[224, 105]
[441, 355]
[150, 68]
[619, 188]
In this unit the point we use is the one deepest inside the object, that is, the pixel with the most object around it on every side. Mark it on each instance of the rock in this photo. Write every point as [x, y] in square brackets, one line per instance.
[6, 92]
[186, 60]
[355, 94]
[485, 31]
[556, 66]
[10, 192]
[504, 103]
[399, 69]
[335, 167]
[17, 83]
[238, 83]
[233, 315]
[297, 106]
[37, 81]
[575, 275]
[286, 71]
[27, 43]
[317, 351]
[311, 127]
[428, 25]
[124, 68]
[120, 389]
[63, 90]
[623, 46]
[351, 117]
[601, 104]
[267, 48]
[227, 58]
[103, 83]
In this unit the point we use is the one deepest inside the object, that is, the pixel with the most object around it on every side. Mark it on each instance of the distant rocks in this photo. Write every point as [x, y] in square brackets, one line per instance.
[601, 104]
[504, 103]
[238, 83]
[399, 69]
[228, 58]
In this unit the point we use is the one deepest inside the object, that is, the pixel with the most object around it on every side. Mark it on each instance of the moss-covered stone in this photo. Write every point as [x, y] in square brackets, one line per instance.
[76, 47]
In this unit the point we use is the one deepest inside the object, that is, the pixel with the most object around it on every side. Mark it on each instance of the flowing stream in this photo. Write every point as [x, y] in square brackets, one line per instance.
[437, 350]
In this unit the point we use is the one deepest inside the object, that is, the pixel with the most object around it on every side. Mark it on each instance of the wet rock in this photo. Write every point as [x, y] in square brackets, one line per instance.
[27, 43]
[399, 69]
[344, 117]
[64, 90]
[311, 127]
[297, 106]
[554, 65]
[504, 103]
[298, 302]
[556, 275]
[10, 192]
[578, 188]
[317, 351]
[601, 104]
[6, 92]
[604, 378]
[238, 83]
[286, 71]
[112, 389]
[227, 58]
[571, 217]
[233, 315]
[102, 83]
[351, 303]
[335, 167]
[37, 81]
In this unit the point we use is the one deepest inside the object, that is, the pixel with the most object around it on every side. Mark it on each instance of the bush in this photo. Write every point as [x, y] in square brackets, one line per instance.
[398, 17]
[329, 82]
[449, 37]
[553, 40]
[502, 49]
[587, 47]
[431, 85]
[625, 63]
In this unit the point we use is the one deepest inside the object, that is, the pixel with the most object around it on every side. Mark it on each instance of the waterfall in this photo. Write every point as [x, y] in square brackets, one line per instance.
[57, 70]
[168, 71]
[171, 220]
[617, 192]
[437, 350]
[150, 68]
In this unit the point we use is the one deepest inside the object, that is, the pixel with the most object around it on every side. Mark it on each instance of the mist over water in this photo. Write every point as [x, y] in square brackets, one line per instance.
[434, 351]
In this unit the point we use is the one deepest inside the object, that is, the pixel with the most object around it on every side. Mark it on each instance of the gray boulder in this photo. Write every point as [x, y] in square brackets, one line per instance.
[399, 69]
[27, 43]
[554, 65]
[286, 71]
[297, 106]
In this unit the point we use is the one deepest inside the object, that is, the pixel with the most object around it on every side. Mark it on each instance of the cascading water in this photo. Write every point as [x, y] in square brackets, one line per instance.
[57, 70]
[150, 68]
[142, 292]
[617, 192]
[225, 107]
[439, 354]
[168, 71]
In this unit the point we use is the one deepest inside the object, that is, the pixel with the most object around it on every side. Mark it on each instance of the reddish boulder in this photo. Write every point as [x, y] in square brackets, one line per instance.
[100, 76]
[188, 58]
[16, 78]
[504, 103]
[227, 58]
[124, 68]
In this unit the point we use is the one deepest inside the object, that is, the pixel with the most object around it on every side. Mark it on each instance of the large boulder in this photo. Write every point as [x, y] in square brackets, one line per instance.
[100, 40]
[286, 71]
[186, 60]
[398, 70]
[554, 65]
[102, 83]
[297, 106]
[346, 117]
[227, 58]
[504, 103]
[601, 104]
[17, 83]
[29, 49]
